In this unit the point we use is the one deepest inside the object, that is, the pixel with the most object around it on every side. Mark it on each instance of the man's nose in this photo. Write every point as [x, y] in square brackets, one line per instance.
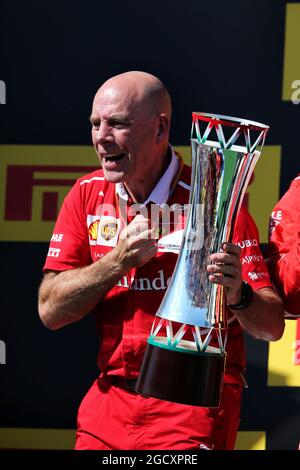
[103, 133]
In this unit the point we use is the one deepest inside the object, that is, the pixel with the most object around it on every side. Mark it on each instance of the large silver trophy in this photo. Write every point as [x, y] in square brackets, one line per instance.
[185, 356]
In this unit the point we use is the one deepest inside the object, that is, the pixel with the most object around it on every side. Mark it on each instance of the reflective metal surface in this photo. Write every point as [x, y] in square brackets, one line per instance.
[185, 356]
[219, 178]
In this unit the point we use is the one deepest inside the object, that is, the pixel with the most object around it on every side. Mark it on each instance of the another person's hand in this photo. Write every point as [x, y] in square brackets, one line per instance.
[226, 269]
[137, 243]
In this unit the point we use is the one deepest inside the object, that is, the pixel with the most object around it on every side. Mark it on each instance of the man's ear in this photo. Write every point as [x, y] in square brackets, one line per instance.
[162, 128]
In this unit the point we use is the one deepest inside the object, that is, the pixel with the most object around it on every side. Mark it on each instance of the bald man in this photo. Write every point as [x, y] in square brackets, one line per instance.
[104, 258]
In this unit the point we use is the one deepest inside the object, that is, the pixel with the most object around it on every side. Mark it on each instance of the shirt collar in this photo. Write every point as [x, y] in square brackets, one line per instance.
[161, 190]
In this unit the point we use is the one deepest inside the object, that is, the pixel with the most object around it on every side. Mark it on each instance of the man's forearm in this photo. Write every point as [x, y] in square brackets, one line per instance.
[264, 318]
[68, 296]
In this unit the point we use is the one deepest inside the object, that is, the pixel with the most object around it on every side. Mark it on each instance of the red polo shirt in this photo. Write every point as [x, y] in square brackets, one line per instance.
[87, 228]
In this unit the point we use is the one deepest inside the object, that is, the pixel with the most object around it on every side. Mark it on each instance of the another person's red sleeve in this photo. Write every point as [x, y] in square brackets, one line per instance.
[283, 253]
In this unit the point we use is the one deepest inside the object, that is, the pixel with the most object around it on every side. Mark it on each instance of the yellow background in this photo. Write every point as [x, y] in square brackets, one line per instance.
[262, 197]
[64, 439]
[291, 70]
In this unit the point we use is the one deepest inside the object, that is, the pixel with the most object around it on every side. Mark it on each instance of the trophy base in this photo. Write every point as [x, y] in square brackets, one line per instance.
[183, 377]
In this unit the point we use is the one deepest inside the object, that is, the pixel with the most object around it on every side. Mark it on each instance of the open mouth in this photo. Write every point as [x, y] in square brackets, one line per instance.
[113, 157]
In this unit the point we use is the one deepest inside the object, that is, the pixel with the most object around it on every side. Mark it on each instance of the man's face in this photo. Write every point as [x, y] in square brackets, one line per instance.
[123, 134]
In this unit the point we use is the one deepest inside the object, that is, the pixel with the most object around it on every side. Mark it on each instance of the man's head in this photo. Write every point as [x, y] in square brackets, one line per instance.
[130, 128]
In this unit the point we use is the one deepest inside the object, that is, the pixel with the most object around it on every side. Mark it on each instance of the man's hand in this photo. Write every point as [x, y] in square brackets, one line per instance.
[67, 296]
[226, 269]
[137, 243]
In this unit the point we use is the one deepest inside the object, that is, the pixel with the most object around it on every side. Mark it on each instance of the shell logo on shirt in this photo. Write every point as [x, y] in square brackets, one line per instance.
[93, 230]
[92, 222]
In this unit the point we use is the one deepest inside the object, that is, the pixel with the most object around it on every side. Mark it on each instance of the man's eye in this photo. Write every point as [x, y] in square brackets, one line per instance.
[95, 125]
[119, 124]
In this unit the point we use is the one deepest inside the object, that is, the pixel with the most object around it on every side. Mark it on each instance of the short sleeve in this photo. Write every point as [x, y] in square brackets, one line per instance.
[283, 250]
[69, 245]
